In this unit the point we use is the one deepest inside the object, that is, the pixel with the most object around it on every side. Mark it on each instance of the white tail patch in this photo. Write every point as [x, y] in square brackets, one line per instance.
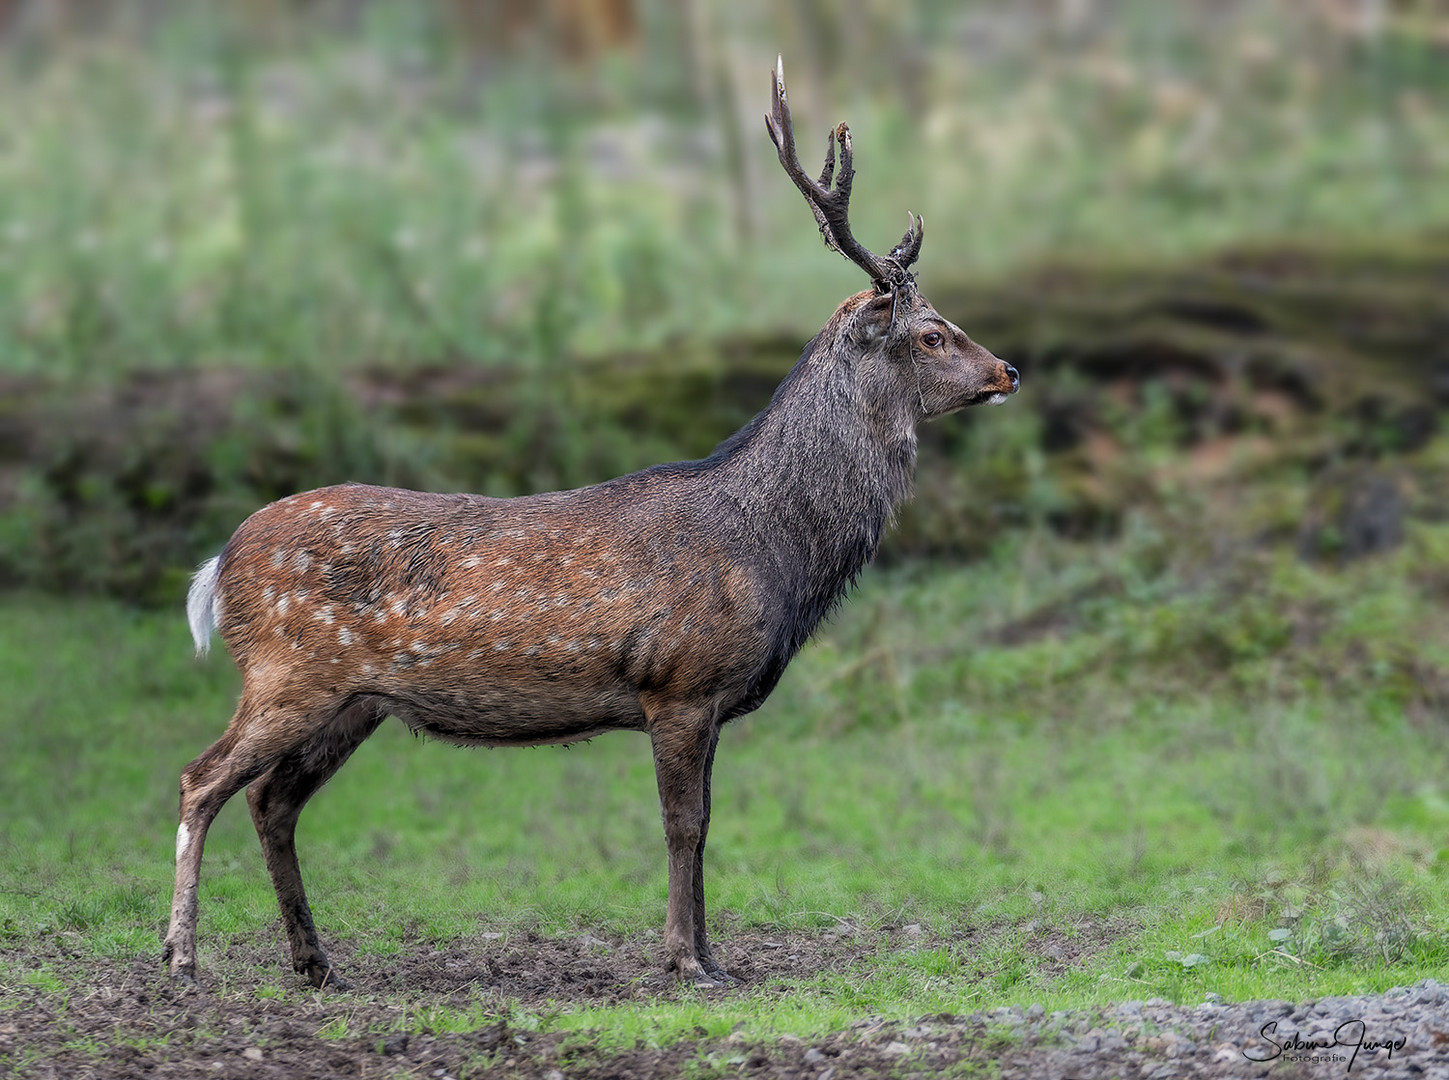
[201, 605]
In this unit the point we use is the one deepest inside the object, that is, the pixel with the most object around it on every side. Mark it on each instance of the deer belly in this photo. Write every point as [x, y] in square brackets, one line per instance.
[508, 716]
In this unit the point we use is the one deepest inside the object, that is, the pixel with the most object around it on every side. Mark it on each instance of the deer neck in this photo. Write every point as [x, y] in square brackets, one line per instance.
[818, 476]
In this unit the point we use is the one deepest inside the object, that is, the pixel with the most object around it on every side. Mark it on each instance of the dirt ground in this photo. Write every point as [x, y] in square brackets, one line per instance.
[128, 1019]
[123, 1019]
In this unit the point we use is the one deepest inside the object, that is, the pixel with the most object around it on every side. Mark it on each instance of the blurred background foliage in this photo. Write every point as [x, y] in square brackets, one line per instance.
[248, 248]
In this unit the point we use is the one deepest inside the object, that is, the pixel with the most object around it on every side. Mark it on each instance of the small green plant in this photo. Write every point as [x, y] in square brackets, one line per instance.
[44, 980]
[336, 1027]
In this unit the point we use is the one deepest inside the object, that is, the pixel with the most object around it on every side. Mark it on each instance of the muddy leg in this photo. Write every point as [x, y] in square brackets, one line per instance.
[711, 966]
[681, 746]
[276, 800]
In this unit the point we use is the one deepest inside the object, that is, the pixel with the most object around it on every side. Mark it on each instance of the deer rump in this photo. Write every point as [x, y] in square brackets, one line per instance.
[483, 621]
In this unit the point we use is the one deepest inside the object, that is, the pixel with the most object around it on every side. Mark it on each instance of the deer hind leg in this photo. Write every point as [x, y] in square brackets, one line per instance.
[259, 735]
[276, 800]
[682, 747]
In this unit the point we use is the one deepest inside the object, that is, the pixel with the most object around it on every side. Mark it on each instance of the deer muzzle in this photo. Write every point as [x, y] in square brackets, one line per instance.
[1006, 383]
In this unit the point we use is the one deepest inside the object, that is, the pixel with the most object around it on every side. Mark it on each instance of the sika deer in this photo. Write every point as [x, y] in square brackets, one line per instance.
[667, 602]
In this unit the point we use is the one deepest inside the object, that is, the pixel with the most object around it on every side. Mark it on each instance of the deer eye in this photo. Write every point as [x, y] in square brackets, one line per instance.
[932, 340]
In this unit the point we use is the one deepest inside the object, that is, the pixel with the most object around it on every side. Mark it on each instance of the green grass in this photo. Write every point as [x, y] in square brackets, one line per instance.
[1171, 809]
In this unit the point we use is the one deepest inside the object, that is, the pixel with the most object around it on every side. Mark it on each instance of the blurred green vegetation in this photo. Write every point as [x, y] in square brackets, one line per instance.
[248, 249]
[209, 185]
[1285, 397]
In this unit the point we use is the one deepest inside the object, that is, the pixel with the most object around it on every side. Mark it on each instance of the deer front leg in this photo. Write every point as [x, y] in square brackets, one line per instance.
[682, 746]
[707, 960]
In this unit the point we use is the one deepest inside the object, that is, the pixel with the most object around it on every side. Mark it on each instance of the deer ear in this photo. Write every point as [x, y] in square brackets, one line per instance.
[873, 320]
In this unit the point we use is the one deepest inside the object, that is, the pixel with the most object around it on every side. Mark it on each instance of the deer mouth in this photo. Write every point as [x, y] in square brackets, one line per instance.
[991, 397]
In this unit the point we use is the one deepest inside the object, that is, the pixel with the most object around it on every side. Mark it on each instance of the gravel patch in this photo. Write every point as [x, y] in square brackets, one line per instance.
[1402, 1033]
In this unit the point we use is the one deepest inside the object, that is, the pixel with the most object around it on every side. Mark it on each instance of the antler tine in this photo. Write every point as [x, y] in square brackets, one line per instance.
[909, 249]
[830, 207]
[782, 133]
[827, 174]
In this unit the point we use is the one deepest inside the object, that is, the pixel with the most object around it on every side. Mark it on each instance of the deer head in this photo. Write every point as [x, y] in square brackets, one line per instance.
[908, 350]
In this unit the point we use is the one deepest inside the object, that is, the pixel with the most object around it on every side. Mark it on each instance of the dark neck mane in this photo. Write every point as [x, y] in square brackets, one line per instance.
[818, 476]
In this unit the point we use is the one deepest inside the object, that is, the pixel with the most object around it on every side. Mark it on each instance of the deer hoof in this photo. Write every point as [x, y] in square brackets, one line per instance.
[324, 976]
[705, 976]
[720, 976]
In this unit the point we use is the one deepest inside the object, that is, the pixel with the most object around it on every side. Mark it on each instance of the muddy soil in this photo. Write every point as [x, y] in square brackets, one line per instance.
[249, 1018]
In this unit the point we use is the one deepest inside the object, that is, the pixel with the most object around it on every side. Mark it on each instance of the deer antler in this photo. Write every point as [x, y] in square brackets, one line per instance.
[831, 206]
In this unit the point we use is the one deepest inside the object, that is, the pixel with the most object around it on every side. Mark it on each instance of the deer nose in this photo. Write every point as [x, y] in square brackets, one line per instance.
[1011, 374]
